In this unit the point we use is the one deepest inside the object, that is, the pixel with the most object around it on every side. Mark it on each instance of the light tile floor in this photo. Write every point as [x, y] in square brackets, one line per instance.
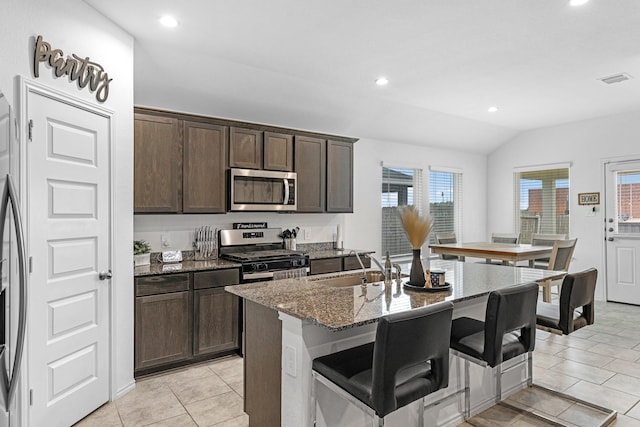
[207, 394]
[599, 363]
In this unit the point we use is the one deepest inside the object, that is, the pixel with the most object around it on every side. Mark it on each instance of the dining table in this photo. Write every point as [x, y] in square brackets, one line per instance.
[505, 252]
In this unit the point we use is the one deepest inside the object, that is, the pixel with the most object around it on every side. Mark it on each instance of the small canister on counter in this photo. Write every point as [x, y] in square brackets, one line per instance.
[437, 278]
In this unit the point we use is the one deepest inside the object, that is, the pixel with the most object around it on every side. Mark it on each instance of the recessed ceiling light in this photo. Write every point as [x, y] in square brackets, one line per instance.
[577, 2]
[382, 81]
[169, 21]
[492, 109]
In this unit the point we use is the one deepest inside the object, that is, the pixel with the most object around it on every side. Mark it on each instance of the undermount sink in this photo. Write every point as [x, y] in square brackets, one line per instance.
[353, 279]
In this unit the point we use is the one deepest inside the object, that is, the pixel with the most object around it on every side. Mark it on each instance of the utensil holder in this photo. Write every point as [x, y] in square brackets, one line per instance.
[290, 243]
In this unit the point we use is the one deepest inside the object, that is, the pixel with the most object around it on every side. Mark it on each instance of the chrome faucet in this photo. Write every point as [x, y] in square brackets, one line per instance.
[364, 270]
[398, 272]
[377, 263]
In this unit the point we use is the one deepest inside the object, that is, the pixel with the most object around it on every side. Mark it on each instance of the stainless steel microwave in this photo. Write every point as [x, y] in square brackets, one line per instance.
[260, 190]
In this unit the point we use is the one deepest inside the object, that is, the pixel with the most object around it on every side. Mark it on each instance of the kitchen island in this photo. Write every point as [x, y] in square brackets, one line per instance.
[290, 322]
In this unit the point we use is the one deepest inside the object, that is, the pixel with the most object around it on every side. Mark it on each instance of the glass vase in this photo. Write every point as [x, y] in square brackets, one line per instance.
[416, 276]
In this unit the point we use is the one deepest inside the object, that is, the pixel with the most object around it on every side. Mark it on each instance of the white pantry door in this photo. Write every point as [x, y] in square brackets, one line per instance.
[622, 180]
[68, 176]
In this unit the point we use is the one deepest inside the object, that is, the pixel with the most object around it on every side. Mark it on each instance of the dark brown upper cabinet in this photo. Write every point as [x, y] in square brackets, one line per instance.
[311, 168]
[204, 171]
[157, 164]
[245, 148]
[278, 152]
[339, 176]
[181, 162]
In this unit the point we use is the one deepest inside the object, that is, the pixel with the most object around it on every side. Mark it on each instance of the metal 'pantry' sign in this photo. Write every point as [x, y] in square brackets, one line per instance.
[83, 70]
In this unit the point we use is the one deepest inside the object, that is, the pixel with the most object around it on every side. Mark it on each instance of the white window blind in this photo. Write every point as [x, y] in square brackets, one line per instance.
[445, 202]
[400, 187]
[541, 202]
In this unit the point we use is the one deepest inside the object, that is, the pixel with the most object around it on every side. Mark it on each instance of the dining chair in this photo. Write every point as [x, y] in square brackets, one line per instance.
[408, 360]
[445, 238]
[511, 238]
[538, 239]
[558, 261]
[505, 238]
[507, 331]
[576, 307]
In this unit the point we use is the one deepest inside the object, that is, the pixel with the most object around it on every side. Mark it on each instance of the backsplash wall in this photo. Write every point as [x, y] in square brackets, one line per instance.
[179, 229]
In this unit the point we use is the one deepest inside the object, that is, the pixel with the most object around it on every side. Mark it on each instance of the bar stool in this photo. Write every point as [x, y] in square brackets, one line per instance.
[508, 331]
[408, 360]
[576, 307]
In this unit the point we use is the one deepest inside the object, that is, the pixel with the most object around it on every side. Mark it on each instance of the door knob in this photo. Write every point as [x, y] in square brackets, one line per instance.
[610, 239]
[104, 275]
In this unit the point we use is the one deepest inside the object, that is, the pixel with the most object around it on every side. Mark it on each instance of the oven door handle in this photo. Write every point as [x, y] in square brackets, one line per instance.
[265, 275]
[286, 191]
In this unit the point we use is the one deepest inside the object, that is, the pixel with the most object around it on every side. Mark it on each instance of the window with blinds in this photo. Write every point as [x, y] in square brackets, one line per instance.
[541, 202]
[400, 187]
[445, 202]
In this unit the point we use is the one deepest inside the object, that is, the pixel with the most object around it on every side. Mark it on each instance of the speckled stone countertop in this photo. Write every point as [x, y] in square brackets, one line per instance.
[343, 307]
[182, 267]
[334, 253]
[189, 264]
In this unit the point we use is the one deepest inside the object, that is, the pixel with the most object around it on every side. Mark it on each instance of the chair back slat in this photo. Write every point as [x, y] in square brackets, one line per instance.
[513, 238]
[546, 239]
[561, 254]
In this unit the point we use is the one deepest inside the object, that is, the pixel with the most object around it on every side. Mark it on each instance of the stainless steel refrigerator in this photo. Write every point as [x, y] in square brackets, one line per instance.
[13, 293]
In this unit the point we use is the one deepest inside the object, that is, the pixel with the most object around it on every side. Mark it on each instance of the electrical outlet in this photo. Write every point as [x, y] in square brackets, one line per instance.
[164, 240]
[290, 361]
[306, 234]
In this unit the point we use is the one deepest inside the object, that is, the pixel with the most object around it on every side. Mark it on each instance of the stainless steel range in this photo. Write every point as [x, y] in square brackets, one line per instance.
[262, 255]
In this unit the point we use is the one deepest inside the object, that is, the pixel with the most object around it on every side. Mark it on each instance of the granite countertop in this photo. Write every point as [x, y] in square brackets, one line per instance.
[339, 308]
[189, 264]
[183, 267]
[334, 253]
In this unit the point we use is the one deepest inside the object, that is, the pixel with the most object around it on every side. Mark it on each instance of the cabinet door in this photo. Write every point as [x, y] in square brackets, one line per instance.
[162, 329]
[216, 323]
[278, 152]
[157, 164]
[245, 148]
[352, 263]
[339, 176]
[311, 168]
[325, 265]
[204, 170]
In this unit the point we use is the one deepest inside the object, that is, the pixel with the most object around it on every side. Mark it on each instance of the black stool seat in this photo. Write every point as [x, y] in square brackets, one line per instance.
[576, 306]
[408, 360]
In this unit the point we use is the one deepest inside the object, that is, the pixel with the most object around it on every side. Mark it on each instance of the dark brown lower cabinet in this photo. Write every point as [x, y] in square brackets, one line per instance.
[332, 265]
[262, 365]
[163, 329]
[185, 317]
[215, 317]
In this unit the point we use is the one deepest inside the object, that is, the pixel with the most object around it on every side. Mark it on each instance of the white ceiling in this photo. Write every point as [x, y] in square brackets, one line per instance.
[311, 64]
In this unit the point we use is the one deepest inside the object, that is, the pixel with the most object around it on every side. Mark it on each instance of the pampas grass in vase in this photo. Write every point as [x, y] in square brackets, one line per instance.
[417, 229]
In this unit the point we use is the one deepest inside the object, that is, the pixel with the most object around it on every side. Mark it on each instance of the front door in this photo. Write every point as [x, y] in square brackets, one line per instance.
[622, 225]
[68, 175]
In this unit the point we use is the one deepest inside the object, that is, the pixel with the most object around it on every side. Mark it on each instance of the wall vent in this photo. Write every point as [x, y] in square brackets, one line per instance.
[617, 78]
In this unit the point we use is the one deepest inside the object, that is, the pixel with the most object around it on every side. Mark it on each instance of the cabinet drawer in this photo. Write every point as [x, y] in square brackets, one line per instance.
[166, 283]
[327, 265]
[216, 278]
[351, 262]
